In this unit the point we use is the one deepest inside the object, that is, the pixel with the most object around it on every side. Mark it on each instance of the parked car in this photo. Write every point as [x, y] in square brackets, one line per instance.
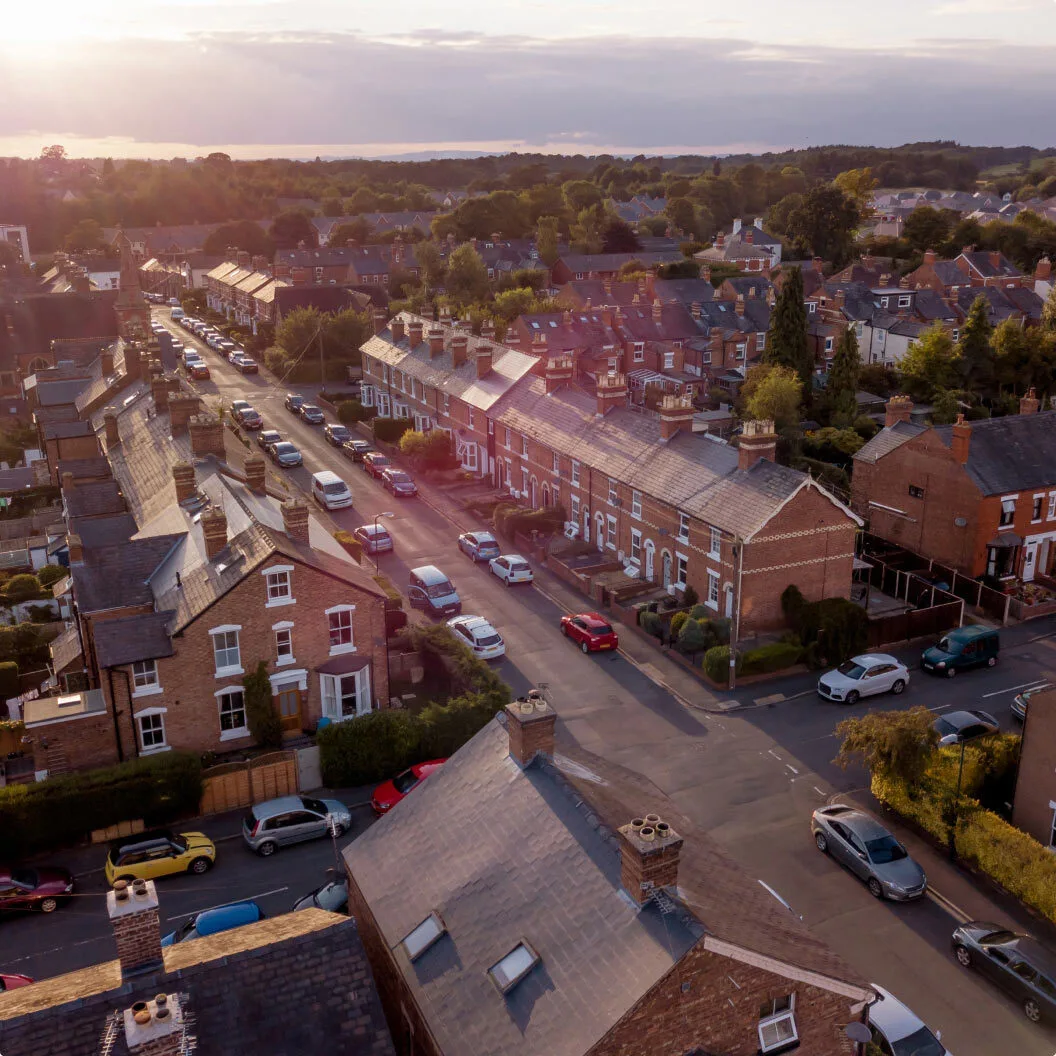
[42, 889]
[238, 405]
[249, 418]
[1018, 964]
[375, 539]
[375, 463]
[13, 980]
[1022, 701]
[285, 454]
[511, 568]
[311, 414]
[480, 546]
[898, 1030]
[212, 921]
[389, 793]
[430, 590]
[357, 449]
[199, 370]
[291, 819]
[293, 402]
[475, 632]
[246, 364]
[857, 840]
[332, 897]
[957, 726]
[177, 313]
[401, 484]
[159, 852]
[864, 676]
[336, 435]
[961, 648]
[268, 437]
[591, 630]
[329, 490]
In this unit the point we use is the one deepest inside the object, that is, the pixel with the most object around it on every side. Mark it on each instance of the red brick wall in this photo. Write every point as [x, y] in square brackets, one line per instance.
[1036, 783]
[86, 743]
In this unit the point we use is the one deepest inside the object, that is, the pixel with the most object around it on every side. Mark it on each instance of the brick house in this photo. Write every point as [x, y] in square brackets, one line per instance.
[570, 267]
[585, 915]
[1034, 807]
[304, 266]
[749, 248]
[373, 265]
[216, 288]
[592, 293]
[971, 267]
[236, 992]
[977, 496]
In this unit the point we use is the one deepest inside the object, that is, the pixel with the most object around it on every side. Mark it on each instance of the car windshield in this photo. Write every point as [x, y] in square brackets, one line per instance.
[404, 782]
[489, 639]
[400, 478]
[600, 628]
[945, 728]
[944, 645]
[186, 928]
[920, 1043]
[337, 488]
[518, 566]
[24, 877]
[851, 670]
[315, 805]
[339, 431]
[885, 849]
[269, 437]
[380, 460]
[439, 590]
[285, 449]
[998, 938]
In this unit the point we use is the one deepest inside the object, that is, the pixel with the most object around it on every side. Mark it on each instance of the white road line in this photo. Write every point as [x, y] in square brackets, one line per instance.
[950, 907]
[774, 754]
[263, 894]
[1011, 689]
[792, 768]
[940, 707]
[819, 791]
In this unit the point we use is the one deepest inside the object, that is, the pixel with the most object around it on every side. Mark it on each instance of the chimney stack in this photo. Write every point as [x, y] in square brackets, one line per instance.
[897, 409]
[68, 482]
[929, 256]
[106, 362]
[113, 435]
[415, 328]
[436, 341]
[649, 854]
[487, 330]
[739, 304]
[261, 264]
[482, 357]
[736, 227]
[611, 392]
[397, 327]
[75, 548]
[244, 259]
[885, 279]
[1030, 403]
[214, 531]
[559, 372]
[133, 362]
[720, 241]
[695, 309]
[133, 910]
[995, 259]
[183, 479]
[159, 391]
[155, 1028]
[676, 414]
[961, 440]
[530, 723]
[207, 435]
[380, 319]
[818, 264]
[256, 472]
[182, 408]
[459, 346]
[841, 298]
[1043, 272]
[758, 440]
[295, 520]
[749, 236]
[658, 312]
[705, 272]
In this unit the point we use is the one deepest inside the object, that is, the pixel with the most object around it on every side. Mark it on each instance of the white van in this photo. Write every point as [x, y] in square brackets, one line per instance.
[329, 490]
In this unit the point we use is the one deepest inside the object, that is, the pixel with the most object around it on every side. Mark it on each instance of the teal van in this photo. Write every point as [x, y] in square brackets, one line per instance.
[962, 647]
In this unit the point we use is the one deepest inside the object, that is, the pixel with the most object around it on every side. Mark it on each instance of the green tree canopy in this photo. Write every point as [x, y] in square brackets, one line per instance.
[824, 222]
[927, 228]
[890, 743]
[618, 237]
[772, 392]
[1024, 357]
[841, 389]
[240, 234]
[976, 361]
[547, 236]
[84, 236]
[580, 195]
[354, 232]
[467, 276]
[291, 228]
[858, 185]
[588, 230]
[786, 341]
[931, 363]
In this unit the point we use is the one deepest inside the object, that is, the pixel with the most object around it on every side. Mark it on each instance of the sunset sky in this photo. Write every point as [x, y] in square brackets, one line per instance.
[343, 77]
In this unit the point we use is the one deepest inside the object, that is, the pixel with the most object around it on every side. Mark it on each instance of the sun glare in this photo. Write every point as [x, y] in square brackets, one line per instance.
[57, 22]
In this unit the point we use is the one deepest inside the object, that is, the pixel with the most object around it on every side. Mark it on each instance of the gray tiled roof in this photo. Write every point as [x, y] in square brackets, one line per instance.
[587, 262]
[114, 576]
[58, 430]
[885, 441]
[105, 530]
[66, 649]
[131, 638]
[93, 498]
[52, 393]
[84, 468]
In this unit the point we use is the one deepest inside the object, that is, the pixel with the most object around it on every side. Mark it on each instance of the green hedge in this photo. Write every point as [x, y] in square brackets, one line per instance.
[548, 520]
[832, 630]
[352, 411]
[717, 664]
[390, 429]
[769, 658]
[64, 810]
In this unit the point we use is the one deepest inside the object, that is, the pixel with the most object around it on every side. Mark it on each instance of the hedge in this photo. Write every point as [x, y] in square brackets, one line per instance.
[548, 520]
[769, 658]
[832, 630]
[64, 810]
[352, 411]
[9, 681]
[390, 429]
[717, 664]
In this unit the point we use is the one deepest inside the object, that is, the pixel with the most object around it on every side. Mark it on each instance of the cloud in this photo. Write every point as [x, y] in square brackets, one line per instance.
[454, 89]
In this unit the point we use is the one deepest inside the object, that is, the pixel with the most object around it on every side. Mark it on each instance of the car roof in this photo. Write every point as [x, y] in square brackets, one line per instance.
[895, 1019]
[515, 557]
[270, 807]
[964, 718]
[141, 839]
[862, 824]
[873, 658]
[210, 921]
[429, 574]
[327, 476]
[482, 536]
[373, 529]
[592, 617]
[473, 623]
[285, 443]
[972, 630]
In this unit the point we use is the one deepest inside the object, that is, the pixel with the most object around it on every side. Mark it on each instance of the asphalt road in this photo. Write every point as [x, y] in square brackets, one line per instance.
[750, 777]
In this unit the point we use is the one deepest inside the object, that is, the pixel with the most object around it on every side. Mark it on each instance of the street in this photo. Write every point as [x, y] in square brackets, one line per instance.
[751, 776]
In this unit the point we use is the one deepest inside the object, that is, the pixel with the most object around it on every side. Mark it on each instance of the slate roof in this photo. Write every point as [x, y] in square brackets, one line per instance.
[84, 468]
[325, 298]
[377, 260]
[532, 855]
[600, 292]
[93, 498]
[52, 393]
[981, 261]
[323, 257]
[583, 329]
[604, 262]
[887, 440]
[166, 238]
[12, 480]
[639, 322]
[40, 318]
[686, 291]
[66, 649]
[58, 430]
[293, 984]
[107, 530]
[132, 638]
[118, 575]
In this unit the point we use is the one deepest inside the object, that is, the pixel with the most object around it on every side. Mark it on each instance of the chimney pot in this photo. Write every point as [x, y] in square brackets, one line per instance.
[611, 392]
[459, 346]
[154, 1028]
[256, 472]
[649, 855]
[897, 409]
[436, 341]
[415, 329]
[136, 929]
[558, 372]
[530, 723]
[676, 415]
[75, 548]
[483, 359]
[757, 441]
[295, 520]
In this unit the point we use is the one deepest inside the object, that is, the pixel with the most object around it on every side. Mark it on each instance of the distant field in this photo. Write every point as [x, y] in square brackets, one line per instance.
[1012, 169]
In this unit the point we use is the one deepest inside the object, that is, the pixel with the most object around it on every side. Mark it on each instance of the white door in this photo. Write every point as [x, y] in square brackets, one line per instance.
[650, 557]
[729, 603]
[1030, 560]
[599, 531]
[586, 526]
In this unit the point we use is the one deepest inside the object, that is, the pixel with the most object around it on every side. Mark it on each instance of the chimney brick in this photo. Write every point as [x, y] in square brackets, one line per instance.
[106, 362]
[68, 482]
[414, 332]
[530, 723]
[183, 478]
[295, 520]
[459, 346]
[207, 435]
[739, 304]
[181, 409]
[649, 853]
[396, 328]
[436, 341]
[758, 440]
[133, 361]
[482, 357]
[961, 440]
[559, 372]
[929, 256]
[380, 319]
[155, 1028]
[487, 330]
[159, 392]
[214, 531]
[1043, 271]
[676, 414]
[133, 911]
[75, 548]
[1030, 403]
[897, 409]
[113, 434]
[256, 472]
[611, 392]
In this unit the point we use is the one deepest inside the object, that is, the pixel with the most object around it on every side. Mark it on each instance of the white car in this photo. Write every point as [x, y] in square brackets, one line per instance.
[897, 1028]
[479, 635]
[864, 676]
[511, 568]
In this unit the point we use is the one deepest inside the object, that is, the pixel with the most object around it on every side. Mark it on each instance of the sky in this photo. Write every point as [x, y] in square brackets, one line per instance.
[297, 78]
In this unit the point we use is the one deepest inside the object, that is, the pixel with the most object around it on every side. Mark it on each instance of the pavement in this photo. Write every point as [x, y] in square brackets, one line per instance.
[749, 766]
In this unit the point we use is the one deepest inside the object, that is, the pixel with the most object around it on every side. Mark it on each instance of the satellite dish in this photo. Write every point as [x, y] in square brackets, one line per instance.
[858, 1032]
[960, 522]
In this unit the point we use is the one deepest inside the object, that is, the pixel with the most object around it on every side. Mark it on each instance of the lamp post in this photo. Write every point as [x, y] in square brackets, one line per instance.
[377, 553]
[955, 810]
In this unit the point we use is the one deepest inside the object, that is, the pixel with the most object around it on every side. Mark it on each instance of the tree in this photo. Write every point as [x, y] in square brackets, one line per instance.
[352, 232]
[930, 364]
[262, 718]
[580, 195]
[240, 234]
[402, 282]
[467, 276]
[430, 450]
[300, 330]
[896, 744]
[772, 393]
[291, 228]
[858, 185]
[1024, 357]
[682, 214]
[617, 236]
[22, 587]
[974, 349]
[343, 334]
[841, 390]
[431, 265]
[1048, 311]
[84, 236]
[786, 341]
[825, 222]
[547, 235]
[587, 230]
[926, 228]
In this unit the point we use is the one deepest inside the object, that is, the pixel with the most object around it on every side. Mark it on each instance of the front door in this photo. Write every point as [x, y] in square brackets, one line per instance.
[650, 555]
[729, 603]
[667, 569]
[289, 701]
[1030, 560]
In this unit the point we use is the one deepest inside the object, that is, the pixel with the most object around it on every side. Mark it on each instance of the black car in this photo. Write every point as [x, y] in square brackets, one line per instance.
[293, 402]
[356, 449]
[249, 418]
[311, 414]
[337, 435]
[1019, 964]
[332, 897]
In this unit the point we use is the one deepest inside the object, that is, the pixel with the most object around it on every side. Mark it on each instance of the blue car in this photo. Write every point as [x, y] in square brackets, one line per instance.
[479, 546]
[211, 921]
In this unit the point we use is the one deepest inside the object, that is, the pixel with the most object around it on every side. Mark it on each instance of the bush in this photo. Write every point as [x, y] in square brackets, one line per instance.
[769, 658]
[678, 622]
[548, 520]
[700, 612]
[261, 717]
[351, 411]
[390, 429]
[651, 623]
[350, 543]
[690, 597]
[695, 637]
[40, 613]
[64, 810]
[24, 644]
[51, 574]
[367, 749]
[22, 588]
[832, 630]
[717, 664]
[430, 450]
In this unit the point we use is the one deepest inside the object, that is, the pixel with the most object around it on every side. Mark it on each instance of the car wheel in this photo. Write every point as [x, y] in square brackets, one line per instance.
[950, 672]
[507, 582]
[1032, 1010]
[898, 687]
[822, 841]
[49, 905]
[339, 831]
[267, 849]
[991, 661]
[564, 629]
[963, 955]
[852, 698]
[584, 647]
[199, 866]
[874, 888]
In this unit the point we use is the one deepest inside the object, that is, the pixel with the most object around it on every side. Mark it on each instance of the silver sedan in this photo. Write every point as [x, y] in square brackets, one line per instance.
[858, 841]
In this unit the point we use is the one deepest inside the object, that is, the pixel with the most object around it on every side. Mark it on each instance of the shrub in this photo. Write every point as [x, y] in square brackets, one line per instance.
[41, 613]
[22, 588]
[690, 597]
[430, 450]
[832, 630]
[446, 727]
[63, 810]
[350, 543]
[678, 622]
[720, 627]
[390, 429]
[769, 658]
[700, 612]
[367, 749]
[24, 644]
[792, 604]
[548, 520]
[51, 574]
[351, 411]
[695, 637]
[717, 664]
[261, 717]
[651, 623]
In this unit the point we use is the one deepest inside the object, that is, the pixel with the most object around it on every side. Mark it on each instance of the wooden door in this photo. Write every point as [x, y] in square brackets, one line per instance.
[289, 702]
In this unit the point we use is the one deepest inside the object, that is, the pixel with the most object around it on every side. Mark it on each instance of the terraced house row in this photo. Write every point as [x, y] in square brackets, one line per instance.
[676, 507]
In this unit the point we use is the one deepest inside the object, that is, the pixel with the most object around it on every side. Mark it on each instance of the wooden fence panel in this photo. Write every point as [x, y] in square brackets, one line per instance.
[235, 785]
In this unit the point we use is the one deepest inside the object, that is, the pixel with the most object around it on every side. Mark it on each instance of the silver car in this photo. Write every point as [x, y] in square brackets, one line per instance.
[956, 727]
[291, 819]
[864, 676]
[858, 841]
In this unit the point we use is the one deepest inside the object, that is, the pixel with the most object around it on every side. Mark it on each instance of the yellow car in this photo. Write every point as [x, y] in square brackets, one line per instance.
[148, 855]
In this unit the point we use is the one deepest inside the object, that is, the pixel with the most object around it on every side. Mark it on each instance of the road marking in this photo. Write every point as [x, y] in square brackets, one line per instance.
[774, 698]
[940, 707]
[774, 754]
[952, 908]
[819, 791]
[792, 768]
[263, 894]
[802, 693]
[1038, 683]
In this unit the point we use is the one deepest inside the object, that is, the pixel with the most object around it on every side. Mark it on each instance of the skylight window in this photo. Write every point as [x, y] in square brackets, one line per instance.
[423, 936]
[513, 967]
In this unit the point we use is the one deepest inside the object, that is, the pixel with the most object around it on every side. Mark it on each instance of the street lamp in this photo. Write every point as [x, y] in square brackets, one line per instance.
[374, 543]
[955, 810]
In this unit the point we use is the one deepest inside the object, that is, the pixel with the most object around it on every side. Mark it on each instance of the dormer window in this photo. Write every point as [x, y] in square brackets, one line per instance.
[430, 931]
[508, 972]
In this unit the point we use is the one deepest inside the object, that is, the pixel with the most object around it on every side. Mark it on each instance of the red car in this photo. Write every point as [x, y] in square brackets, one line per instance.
[591, 630]
[375, 463]
[13, 981]
[387, 795]
[45, 889]
[199, 371]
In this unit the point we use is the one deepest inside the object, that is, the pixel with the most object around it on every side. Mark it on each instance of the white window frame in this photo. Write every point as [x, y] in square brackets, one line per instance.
[636, 505]
[905, 301]
[235, 732]
[330, 693]
[610, 532]
[152, 713]
[229, 669]
[283, 575]
[760, 341]
[636, 546]
[669, 361]
[555, 465]
[788, 1016]
[524, 447]
[715, 543]
[573, 512]
[1051, 515]
[341, 647]
[681, 570]
[683, 527]
[508, 438]
[829, 343]
[150, 684]
[383, 405]
[575, 476]
[638, 354]
[284, 628]
[713, 591]
[1037, 503]
[1008, 505]
[613, 492]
